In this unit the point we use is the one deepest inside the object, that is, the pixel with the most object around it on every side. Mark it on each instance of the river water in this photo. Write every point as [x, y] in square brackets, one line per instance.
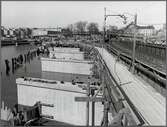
[9, 87]
[32, 69]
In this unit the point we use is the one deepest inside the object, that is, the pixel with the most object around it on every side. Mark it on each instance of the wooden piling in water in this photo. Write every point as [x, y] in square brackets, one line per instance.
[13, 65]
[7, 66]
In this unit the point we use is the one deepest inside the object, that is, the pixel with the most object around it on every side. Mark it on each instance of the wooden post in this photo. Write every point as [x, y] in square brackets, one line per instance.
[105, 114]
[87, 104]
[93, 108]
[87, 99]
[93, 113]
[93, 100]
[87, 115]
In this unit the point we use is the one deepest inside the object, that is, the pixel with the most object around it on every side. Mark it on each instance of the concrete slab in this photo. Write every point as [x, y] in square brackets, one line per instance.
[61, 95]
[67, 55]
[67, 66]
[64, 49]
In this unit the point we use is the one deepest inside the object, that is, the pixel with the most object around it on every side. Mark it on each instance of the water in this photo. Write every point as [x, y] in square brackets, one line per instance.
[32, 69]
[9, 87]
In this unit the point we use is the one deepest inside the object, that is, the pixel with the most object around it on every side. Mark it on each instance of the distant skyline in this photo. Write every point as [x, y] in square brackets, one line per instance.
[56, 13]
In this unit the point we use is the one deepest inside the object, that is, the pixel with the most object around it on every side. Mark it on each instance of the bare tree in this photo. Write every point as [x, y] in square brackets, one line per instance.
[81, 26]
[93, 27]
[71, 27]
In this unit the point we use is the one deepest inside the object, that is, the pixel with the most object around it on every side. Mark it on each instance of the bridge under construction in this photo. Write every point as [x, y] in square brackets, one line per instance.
[103, 92]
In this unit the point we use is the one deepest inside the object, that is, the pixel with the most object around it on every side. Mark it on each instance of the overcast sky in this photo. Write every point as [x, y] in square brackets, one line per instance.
[56, 13]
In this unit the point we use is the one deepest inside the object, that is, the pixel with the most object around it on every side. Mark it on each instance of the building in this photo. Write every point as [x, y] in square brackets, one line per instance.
[146, 30]
[4, 31]
[45, 31]
[160, 36]
[11, 32]
[39, 32]
[141, 30]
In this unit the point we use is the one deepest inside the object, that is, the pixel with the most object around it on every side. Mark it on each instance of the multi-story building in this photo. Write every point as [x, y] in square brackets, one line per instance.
[146, 30]
[161, 35]
[2, 32]
[5, 31]
[11, 32]
[38, 32]
[15, 33]
[141, 30]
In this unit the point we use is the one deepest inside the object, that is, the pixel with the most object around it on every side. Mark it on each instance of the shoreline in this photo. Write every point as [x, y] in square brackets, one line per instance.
[14, 42]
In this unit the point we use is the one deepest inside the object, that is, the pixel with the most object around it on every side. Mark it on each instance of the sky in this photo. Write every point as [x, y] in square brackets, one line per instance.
[56, 13]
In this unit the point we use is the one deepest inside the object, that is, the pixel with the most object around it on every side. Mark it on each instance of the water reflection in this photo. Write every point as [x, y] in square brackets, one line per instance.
[10, 73]
[31, 67]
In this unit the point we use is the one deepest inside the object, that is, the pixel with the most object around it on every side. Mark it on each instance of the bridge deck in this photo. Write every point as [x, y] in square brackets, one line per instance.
[147, 101]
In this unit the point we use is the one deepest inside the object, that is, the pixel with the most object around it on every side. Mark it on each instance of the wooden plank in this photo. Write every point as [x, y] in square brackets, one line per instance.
[86, 99]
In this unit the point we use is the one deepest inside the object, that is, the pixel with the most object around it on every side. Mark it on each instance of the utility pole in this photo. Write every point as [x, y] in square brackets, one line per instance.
[106, 104]
[134, 44]
[105, 116]
[104, 26]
